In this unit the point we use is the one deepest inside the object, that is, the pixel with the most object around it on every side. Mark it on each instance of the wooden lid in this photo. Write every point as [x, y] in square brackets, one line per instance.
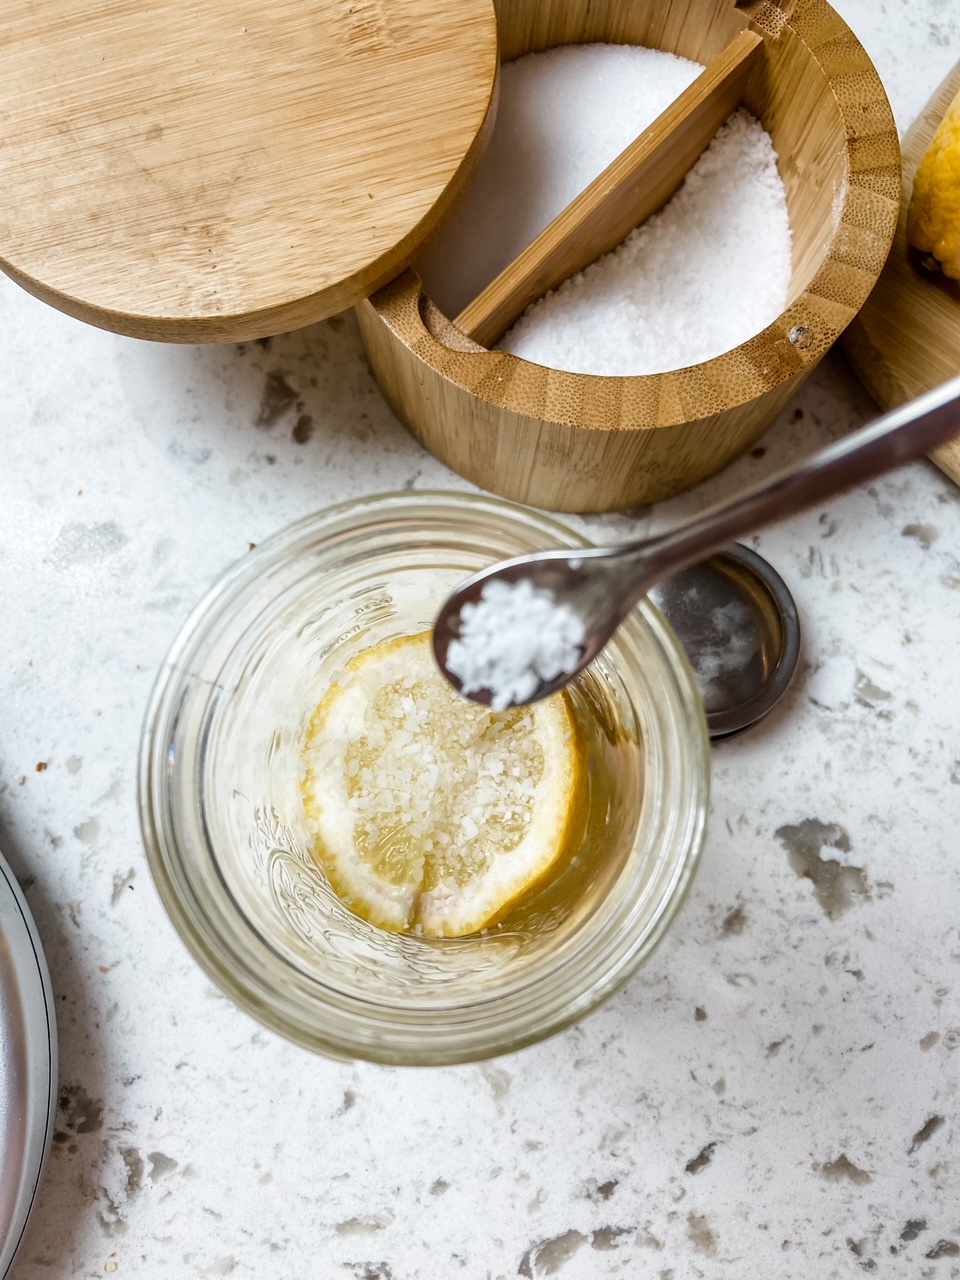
[219, 171]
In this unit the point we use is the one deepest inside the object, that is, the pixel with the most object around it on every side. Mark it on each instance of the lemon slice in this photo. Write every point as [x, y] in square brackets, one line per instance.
[431, 813]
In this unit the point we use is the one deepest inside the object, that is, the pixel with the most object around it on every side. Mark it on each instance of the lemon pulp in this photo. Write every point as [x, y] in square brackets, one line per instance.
[431, 813]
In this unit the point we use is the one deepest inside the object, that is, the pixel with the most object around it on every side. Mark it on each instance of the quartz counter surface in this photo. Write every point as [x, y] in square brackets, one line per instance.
[775, 1094]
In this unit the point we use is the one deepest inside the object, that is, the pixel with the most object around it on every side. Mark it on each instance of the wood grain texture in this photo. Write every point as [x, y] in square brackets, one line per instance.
[631, 189]
[577, 442]
[906, 340]
[221, 171]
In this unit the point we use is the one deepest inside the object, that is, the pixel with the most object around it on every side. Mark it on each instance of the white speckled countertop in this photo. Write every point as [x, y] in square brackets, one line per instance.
[775, 1094]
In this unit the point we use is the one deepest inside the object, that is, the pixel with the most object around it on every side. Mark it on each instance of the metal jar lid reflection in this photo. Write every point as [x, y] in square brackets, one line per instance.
[738, 623]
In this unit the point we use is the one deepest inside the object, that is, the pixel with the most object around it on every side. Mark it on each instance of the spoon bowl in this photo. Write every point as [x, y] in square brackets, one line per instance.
[585, 580]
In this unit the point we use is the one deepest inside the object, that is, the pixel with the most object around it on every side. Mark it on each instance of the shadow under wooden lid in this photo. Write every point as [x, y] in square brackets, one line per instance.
[221, 171]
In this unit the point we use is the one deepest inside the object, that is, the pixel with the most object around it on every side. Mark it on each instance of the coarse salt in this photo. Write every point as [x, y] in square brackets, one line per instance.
[515, 637]
[708, 272]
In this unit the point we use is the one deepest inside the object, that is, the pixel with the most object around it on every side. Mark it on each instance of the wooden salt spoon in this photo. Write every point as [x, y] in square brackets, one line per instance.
[631, 189]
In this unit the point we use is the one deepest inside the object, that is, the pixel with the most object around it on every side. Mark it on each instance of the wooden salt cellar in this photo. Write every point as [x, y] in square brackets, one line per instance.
[579, 442]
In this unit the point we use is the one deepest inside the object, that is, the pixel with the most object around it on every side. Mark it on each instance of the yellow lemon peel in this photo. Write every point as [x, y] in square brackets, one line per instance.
[933, 215]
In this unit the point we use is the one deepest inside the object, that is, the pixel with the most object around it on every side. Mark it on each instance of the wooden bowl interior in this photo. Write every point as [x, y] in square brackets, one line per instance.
[793, 100]
[789, 92]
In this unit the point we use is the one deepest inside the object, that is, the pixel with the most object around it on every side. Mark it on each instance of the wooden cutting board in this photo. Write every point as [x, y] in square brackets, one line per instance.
[906, 339]
[216, 170]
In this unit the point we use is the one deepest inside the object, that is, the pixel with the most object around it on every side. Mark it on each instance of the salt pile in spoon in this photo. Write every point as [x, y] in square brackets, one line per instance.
[514, 638]
[708, 272]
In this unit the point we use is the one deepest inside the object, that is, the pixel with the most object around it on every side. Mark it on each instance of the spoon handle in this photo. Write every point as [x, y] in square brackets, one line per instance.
[897, 437]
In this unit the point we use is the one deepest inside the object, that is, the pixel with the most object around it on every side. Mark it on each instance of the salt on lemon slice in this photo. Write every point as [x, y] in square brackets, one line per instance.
[431, 813]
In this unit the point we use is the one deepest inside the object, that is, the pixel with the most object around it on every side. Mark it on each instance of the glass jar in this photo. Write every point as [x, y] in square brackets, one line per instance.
[225, 830]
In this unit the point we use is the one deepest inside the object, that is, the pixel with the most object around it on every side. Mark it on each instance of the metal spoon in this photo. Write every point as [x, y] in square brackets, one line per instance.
[602, 584]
